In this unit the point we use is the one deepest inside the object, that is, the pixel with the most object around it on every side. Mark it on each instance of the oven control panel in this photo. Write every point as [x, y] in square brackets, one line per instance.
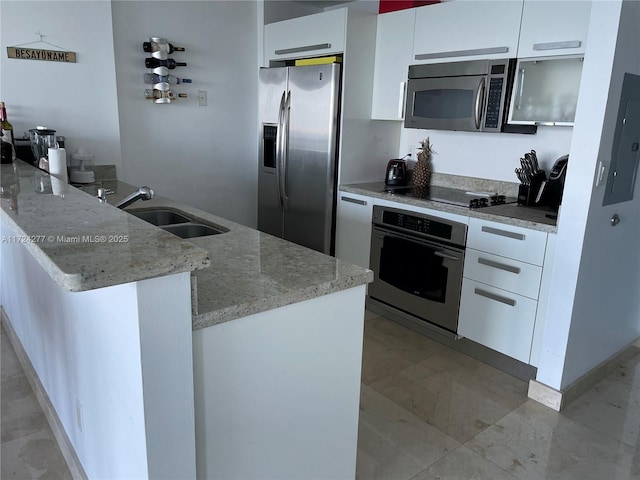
[417, 224]
[421, 224]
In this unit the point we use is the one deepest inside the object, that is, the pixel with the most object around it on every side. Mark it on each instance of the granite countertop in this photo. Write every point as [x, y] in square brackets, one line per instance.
[235, 274]
[509, 214]
[84, 244]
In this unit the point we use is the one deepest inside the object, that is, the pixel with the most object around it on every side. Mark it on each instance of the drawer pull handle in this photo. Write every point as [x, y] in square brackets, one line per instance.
[306, 48]
[498, 298]
[501, 266]
[462, 53]
[353, 200]
[557, 45]
[503, 233]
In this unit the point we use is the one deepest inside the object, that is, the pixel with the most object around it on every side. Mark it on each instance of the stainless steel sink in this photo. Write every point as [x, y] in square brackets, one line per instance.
[178, 222]
[160, 217]
[191, 230]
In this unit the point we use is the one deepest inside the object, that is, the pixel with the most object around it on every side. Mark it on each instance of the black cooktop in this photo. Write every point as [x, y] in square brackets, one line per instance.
[452, 196]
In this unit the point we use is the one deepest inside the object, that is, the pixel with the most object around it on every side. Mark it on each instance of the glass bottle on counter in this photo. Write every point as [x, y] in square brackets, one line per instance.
[7, 128]
[170, 63]
[7, 151]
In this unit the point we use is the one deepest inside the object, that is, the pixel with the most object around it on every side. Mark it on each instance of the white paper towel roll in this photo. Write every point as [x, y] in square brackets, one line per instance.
[58, 163]
[58, 186]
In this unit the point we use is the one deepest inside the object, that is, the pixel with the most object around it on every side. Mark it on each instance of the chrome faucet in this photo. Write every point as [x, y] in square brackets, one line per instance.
[143, 193]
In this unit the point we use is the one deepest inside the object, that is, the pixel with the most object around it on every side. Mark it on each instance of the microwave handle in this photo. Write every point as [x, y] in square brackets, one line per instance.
[479, 102]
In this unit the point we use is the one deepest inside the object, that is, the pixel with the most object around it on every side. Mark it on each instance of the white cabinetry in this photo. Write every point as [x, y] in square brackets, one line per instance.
[464, 30]
[554, 27]
[310, 36]
[394, 42]
[501, 285]
[353, 228]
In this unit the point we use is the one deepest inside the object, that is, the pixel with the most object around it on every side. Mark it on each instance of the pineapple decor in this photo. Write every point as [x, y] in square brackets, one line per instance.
[422, 170]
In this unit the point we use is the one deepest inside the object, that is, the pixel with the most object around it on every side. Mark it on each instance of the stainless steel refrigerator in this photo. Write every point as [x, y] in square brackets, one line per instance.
[299, 108]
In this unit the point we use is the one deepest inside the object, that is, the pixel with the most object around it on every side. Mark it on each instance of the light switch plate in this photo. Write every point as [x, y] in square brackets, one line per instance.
[202, 98]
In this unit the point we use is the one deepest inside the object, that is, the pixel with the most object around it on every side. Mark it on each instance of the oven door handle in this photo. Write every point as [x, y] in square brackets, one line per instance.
[445, 255]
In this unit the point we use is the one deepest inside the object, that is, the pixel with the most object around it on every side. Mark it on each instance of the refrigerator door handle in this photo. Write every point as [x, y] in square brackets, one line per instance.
[285, 150]
[279, 141]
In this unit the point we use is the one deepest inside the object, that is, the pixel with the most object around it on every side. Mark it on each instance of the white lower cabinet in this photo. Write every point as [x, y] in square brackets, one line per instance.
[498, 319]
[503, 272]
[353, 228]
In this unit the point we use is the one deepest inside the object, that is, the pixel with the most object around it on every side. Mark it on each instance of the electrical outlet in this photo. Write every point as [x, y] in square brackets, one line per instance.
[202, 98]
[413, 149]
[79, 416]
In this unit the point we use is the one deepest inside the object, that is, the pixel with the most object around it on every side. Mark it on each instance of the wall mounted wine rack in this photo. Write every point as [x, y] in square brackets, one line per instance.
[160, 75]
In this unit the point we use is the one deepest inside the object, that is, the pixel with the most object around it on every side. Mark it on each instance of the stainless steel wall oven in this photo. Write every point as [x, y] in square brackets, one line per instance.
[417, 260]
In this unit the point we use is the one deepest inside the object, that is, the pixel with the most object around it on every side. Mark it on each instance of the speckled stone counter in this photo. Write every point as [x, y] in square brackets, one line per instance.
[84, 244]
[238, 273]
[510, 214]
[252, 272]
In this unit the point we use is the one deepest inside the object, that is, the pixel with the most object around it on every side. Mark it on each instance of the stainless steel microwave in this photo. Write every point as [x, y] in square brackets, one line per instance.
[470, 96]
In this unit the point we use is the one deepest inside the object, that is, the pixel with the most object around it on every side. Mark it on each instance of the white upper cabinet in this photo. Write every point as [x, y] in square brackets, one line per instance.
[310, 36]
[466, 30]
[394, 42]
[554, 27]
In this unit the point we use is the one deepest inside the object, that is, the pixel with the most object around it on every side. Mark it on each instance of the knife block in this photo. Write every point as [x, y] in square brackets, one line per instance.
[530, 195]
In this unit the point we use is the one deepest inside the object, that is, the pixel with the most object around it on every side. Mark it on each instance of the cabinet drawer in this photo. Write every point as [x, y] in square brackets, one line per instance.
[497, 319]
[505, 273]
[508, 241]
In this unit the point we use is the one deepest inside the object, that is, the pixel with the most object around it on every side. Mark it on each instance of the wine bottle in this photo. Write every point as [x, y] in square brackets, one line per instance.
[155, 78]
[170, 63]
[7, 151]
[160, 47]
[154, 94]
[7, 128]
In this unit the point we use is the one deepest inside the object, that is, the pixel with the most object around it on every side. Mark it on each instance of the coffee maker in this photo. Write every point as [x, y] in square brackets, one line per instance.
[42, 139]
[553, 189]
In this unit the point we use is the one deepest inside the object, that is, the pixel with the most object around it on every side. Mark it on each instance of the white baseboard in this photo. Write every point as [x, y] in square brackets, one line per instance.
[68, 452]
[558, 399]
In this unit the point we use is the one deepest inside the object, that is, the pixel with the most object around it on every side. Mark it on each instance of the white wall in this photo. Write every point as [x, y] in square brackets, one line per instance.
[595, 265]
[78, 100]
[487, 155]
[202, 156]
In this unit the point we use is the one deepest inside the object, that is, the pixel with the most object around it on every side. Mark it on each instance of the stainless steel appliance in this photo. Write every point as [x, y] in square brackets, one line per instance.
[298, 153]
[469, 96]
[417, 261]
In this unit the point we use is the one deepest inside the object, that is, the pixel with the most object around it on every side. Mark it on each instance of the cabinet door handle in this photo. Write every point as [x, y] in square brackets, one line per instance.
[557, 45]
[462, 53]
[501, 266]
[492, 296]
[503, 233]
[306, 48]
[353, 200]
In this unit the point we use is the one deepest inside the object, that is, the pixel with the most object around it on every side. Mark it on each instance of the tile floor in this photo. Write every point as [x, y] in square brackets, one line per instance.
[427, 412]
[28, 449]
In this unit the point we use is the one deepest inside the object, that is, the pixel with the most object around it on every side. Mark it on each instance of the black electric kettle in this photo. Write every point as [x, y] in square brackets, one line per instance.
[396, 172]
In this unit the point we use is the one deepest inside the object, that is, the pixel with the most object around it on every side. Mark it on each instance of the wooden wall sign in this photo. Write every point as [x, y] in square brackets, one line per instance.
[39, 54]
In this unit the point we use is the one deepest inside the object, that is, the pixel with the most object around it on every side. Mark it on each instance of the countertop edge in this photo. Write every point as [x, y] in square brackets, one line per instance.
[217, 317]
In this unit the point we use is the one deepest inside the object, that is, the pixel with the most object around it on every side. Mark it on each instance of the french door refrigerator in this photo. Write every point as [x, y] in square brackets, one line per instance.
[299, 111]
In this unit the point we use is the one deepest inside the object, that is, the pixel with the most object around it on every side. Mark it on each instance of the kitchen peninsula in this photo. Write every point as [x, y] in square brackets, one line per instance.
[232, 355]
